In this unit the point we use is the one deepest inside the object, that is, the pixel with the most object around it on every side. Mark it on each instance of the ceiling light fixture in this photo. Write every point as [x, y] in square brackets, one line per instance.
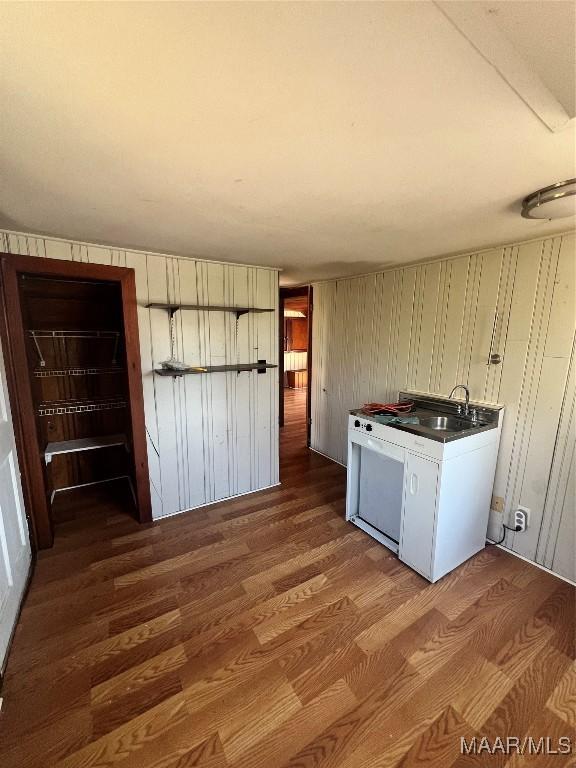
[554, 202]
[293, 313]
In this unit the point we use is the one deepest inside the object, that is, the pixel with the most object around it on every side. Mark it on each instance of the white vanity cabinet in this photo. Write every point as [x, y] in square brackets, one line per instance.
[425, 499]
[418, 515]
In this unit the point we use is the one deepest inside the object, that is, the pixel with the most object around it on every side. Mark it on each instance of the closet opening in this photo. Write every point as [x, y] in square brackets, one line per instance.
[74, 378]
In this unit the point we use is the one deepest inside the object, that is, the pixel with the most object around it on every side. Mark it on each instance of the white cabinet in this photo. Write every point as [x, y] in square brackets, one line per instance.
[427, 500]
[419, 513]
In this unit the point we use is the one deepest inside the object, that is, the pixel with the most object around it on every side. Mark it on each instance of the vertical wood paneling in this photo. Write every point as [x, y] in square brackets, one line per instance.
[56, 249]
[457, 276]
[141, 276]
[295, 361]
[485, 318]
[404, 330]
[431, 327]
[563, 561]
[213, 436]
[558, 534]
[548, 379]
[425, 335]
[529, 400]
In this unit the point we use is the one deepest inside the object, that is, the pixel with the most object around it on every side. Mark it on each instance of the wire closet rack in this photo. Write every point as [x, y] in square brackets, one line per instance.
[55, 334]
[88, 405]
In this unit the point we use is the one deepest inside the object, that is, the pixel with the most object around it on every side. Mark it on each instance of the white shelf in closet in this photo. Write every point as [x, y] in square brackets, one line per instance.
[82, 444]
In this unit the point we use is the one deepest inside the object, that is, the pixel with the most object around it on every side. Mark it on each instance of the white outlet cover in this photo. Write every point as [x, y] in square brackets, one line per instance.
[526, 512]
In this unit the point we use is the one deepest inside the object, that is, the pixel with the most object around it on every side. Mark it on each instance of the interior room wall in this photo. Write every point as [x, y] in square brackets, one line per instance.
[431, 326]
[210, 436]
[295, 361]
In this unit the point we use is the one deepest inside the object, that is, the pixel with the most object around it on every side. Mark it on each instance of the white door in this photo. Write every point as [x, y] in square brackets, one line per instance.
[419, 513]
[14, 542]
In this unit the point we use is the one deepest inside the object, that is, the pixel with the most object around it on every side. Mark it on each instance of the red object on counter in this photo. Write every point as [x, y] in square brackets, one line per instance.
[374, 408]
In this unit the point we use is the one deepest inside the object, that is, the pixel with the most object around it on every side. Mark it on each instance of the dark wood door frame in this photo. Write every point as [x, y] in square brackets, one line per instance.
[20, 391]
[285, 293]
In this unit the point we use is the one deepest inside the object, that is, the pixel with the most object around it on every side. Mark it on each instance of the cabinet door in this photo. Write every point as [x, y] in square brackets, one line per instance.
[298, 336]
[419, 513]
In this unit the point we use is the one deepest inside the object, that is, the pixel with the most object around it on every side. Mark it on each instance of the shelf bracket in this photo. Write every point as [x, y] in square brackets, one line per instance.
[35, 340]
[115, 351]
[241, 312]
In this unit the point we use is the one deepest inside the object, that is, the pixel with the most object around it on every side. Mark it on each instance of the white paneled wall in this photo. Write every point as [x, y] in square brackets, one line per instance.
[210, 436]
[432, 326]
[295, 361]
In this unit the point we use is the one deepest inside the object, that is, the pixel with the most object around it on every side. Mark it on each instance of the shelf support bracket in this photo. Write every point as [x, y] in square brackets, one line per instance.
[35, 340]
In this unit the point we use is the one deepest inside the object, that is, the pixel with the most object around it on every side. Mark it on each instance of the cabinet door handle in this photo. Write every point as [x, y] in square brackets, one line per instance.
[413, 484]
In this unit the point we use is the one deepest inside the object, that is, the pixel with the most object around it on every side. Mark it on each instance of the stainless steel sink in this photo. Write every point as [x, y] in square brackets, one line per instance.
[448, 423]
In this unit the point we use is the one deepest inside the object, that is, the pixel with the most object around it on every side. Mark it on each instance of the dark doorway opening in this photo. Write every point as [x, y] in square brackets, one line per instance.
[295, 357]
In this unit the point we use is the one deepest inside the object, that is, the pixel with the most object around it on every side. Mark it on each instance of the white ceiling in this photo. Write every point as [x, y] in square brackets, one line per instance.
[544, 34]
[323, 138]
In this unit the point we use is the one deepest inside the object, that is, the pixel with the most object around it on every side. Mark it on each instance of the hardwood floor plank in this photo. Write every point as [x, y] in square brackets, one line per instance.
[439, 743]
[138, 676]
[299, 729]
[48, 744]
[562, 701]
[130, 737]
[108, 716]
[312, 681]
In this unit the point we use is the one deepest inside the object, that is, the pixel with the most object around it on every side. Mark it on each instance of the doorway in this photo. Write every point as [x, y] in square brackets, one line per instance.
[70, 338]
[296, 363]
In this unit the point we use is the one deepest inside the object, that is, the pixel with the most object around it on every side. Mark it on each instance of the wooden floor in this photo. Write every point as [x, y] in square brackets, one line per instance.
[268, 632]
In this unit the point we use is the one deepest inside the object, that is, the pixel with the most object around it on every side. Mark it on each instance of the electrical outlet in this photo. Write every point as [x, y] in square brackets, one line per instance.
[521, 518]
[497, 503]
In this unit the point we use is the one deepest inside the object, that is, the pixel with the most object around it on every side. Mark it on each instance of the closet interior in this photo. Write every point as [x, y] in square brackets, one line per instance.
[75, 348]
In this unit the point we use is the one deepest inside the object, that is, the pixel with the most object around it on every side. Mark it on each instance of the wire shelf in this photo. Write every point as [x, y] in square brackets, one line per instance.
[47, 373]
[62, 334]
[82, 444]
[62, 407]
[36, 334]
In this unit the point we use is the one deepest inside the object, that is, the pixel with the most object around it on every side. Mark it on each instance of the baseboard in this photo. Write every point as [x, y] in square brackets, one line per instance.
[536, 565]
[216, 501]
[31, 566]
[325, 455]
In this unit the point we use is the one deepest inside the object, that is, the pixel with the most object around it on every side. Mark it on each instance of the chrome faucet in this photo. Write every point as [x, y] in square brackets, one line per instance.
[467, 404]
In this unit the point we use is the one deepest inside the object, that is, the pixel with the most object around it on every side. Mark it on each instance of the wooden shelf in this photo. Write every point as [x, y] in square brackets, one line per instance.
[216, 369]
[238, 311]
[82, 444]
